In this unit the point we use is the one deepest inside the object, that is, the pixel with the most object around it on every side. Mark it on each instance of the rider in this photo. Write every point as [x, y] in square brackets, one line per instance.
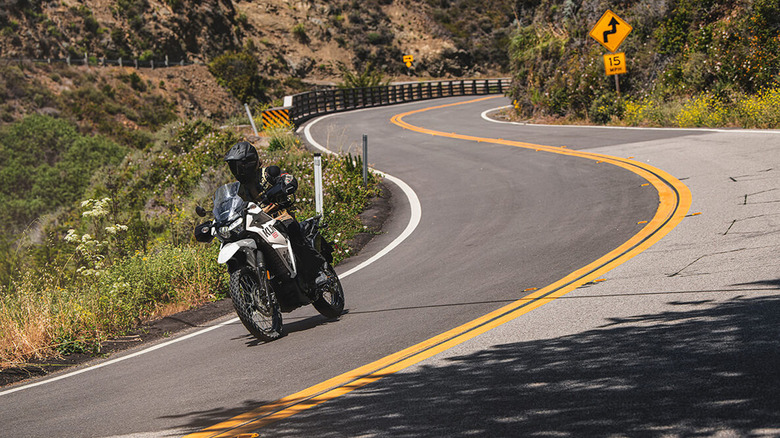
[274, 191]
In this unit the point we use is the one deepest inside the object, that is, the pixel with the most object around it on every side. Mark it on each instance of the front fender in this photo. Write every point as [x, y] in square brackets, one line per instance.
[228, 250]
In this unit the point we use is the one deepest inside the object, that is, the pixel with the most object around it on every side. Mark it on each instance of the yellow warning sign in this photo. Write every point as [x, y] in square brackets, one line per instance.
[615, 64]
[610, 31]
[408, 60]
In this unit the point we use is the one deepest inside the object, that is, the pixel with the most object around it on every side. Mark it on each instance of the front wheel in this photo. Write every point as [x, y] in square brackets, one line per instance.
[330, 303]
[256, 305]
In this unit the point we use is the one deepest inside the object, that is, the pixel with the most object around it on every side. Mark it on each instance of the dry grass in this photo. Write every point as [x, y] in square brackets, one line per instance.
[26, 330]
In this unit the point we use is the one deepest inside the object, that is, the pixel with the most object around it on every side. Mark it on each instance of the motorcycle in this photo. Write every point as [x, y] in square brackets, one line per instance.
[263, 267]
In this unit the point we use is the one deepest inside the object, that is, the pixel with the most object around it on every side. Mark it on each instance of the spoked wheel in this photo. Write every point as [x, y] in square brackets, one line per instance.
[255, 304]
[331, 296]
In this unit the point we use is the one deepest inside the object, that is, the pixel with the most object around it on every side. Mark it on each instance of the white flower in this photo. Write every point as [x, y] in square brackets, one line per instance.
[72, 236]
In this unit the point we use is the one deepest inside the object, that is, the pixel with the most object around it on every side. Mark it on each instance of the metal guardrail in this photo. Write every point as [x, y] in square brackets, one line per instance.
[315, 103]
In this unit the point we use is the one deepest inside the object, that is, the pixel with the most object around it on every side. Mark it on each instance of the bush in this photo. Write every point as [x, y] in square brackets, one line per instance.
[761, 110]
[705, 110]
[47, 164]
[299, 32]
[369, 77]
[605, 108]
[237, 71]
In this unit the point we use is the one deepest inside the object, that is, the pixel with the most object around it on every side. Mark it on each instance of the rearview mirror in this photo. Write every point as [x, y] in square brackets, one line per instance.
[200, 211]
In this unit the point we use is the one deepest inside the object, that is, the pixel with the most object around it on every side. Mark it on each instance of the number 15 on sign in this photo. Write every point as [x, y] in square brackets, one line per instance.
[615, 64]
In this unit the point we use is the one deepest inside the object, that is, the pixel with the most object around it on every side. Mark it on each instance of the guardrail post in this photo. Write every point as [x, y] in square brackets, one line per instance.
[318, 183]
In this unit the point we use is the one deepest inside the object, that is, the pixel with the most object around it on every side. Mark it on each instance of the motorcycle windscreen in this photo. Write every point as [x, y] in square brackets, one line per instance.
[227, 204]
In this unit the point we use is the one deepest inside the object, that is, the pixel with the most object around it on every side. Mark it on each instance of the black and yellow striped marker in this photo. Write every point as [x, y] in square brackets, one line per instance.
[276, 118]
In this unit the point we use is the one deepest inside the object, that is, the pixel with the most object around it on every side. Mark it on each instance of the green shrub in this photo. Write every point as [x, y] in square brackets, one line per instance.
[605, 108]
[761, 110]
[703, 111]
[237, 71]
[299, 32]
[369, 77]
[47, 164]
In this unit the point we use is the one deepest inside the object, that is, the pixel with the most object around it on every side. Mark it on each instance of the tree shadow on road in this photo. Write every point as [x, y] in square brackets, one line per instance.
[676, 373]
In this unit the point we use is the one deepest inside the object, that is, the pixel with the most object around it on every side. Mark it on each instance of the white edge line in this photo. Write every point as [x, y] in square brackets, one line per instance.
[416, 208]
[119, 359]
[736, 131]
[414, 203]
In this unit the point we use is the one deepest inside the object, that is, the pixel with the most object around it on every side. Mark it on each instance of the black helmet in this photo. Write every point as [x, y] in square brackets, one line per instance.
[243, 161]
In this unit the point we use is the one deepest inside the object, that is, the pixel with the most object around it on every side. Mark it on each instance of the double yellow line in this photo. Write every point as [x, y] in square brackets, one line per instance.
[674, 202]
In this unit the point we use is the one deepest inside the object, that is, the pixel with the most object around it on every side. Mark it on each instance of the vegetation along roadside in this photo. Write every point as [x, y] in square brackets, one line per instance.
[713, 63]
[125, 254]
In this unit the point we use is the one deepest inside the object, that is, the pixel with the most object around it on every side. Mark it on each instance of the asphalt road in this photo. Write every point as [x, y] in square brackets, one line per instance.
[496, 221]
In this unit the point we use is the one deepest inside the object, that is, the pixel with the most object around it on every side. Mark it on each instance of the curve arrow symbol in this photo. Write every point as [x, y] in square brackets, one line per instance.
[614, 23]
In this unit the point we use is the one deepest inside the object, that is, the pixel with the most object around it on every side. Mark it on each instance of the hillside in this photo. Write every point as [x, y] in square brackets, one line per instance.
[690, 63]
[293, 38]
[295, 46]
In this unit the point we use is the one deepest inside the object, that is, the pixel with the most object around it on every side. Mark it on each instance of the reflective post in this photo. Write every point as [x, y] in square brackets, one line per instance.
[318, 183]
[365, 160]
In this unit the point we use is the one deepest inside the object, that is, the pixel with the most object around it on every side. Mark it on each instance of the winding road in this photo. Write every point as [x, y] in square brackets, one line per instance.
[568, 281]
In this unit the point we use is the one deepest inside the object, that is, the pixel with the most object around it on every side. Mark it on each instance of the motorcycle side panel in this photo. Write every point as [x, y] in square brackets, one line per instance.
[278, 242]
[286, 254]
[229, 250]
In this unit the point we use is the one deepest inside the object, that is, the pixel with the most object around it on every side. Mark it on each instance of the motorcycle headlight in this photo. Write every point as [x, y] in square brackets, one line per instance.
[236, 227]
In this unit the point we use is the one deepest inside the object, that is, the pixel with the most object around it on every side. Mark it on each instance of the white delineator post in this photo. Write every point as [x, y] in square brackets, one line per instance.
[318, 183]
[365, 160]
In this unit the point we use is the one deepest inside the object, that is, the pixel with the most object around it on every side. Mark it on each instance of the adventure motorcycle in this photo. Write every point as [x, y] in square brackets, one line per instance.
[264, 280]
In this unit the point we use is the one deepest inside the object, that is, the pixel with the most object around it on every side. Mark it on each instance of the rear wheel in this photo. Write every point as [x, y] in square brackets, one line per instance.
[255, 304]
[331, 296]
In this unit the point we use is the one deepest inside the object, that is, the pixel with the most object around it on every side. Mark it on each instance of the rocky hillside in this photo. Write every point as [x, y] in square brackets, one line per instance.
[304, 39]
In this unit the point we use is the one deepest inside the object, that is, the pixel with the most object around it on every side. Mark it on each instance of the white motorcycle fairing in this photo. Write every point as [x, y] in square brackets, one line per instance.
[228, 250]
